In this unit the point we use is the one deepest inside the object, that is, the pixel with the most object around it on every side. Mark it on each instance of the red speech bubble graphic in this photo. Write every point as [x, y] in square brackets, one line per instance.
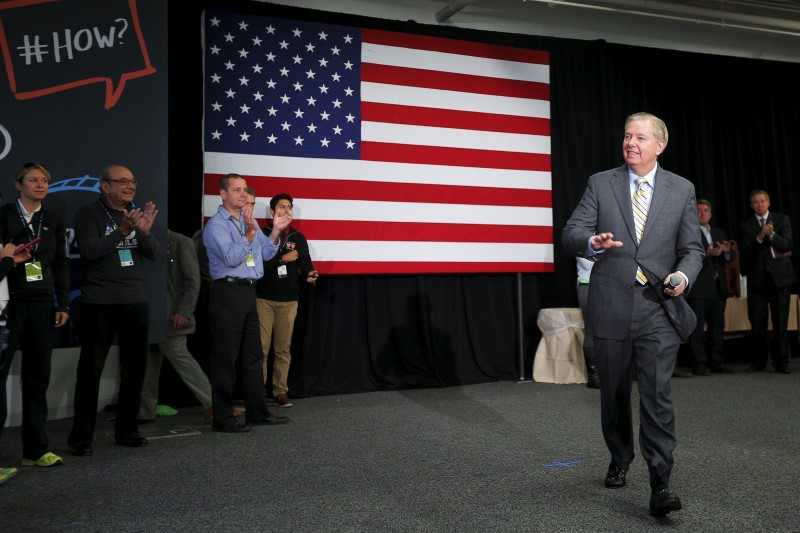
[55, 45]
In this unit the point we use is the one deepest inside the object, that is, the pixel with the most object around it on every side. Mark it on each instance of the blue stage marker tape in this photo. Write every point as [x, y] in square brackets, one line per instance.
[561, 464]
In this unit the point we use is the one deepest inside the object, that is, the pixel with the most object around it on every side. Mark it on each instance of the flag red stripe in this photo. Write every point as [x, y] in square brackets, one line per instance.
[267, 186]
[389, 267]
[323, 230]
[349, 230]
[449, 81]
[457, 157]
[438, 44]
[446, 118]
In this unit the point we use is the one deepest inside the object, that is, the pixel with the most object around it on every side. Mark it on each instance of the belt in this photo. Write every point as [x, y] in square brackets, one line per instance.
[238, 281]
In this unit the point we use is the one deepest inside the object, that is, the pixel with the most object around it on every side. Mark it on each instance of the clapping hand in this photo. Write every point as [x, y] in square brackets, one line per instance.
[248, 215]
[281, 222]
[148, 216]
[138, 220]
[767, 230]
[130, 219]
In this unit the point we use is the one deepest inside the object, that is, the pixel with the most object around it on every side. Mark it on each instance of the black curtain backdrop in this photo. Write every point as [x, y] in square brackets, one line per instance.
[733, 127]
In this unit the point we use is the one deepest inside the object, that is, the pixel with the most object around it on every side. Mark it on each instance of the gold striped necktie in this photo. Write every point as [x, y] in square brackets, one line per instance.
[639, 219]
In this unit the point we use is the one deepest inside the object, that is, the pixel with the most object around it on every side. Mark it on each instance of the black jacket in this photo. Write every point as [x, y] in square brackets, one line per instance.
[756, 258]
[51, 251]
[272, 286]
[711, 280]
[105, 280]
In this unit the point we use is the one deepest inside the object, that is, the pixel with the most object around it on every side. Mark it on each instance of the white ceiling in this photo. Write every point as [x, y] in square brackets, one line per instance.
[758, 29]
[767, 16]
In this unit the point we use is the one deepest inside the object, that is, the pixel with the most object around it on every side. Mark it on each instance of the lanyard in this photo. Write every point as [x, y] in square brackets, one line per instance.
[29, 225]
[236, 225]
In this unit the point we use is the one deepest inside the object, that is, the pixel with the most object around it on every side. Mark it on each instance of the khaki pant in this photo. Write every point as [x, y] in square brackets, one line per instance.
[174, 348]
[276, 320]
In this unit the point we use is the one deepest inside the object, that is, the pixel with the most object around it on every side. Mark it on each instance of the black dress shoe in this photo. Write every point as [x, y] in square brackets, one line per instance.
[783, 371]
[755, 368]
[615, 478]
[664, 502]
[132, 440]
[236, 427]
[723, 370]
[81, 449]
[271, 420]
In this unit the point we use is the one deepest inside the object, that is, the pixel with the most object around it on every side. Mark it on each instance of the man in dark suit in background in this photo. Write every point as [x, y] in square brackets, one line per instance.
[708, 296]
[766, 248]
[636, 221]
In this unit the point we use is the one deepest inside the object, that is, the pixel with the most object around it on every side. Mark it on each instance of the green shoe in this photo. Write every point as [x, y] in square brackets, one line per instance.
[6, 474]
[48, 459]
[165, 410]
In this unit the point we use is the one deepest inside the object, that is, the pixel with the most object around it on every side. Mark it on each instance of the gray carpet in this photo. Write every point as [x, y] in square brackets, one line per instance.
[495, 457]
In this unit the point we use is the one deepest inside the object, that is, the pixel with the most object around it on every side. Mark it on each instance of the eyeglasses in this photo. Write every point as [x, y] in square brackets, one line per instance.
[124, 181]
[289, 207]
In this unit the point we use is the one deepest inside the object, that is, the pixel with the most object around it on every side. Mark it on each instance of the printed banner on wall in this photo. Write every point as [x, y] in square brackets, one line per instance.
[404, 153]
[84, 86]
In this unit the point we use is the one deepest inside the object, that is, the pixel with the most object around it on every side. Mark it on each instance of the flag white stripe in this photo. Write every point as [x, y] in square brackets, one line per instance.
[369, 211]
[454, 138]
[439, 252]
[456, 63]
[441, 99]
[345, 169]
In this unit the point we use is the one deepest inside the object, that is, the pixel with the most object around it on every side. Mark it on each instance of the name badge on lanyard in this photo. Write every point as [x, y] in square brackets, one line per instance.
[33, 271]
[125, 258]
[250, 261]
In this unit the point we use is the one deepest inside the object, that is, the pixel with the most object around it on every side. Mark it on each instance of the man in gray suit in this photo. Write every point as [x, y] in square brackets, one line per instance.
[639, 224]
[183, 287]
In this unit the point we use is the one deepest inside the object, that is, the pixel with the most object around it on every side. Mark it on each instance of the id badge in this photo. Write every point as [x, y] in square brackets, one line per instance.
[125, 258]
[250, 261]
[33, 271]
[282, 271]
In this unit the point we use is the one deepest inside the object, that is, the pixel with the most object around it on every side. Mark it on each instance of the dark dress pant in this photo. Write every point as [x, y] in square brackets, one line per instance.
[99, 324]
[651, 346]
[760, 303]
[711, 312]
[30, 330]
[235, 331]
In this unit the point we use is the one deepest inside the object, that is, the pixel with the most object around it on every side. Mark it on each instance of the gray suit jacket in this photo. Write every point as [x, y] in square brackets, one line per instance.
[183, 280]
[671, 242]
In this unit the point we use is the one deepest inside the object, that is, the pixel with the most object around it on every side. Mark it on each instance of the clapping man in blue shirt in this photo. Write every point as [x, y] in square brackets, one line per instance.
[236, 251]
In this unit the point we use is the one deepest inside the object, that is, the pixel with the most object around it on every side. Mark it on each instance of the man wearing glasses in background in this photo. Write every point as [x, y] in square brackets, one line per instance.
[277, 295]
[114, 238]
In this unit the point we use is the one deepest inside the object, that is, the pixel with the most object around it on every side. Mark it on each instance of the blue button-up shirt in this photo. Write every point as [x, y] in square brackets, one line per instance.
[227, 248]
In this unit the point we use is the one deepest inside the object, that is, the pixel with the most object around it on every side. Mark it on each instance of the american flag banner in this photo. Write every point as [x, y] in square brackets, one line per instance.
[404, 154]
